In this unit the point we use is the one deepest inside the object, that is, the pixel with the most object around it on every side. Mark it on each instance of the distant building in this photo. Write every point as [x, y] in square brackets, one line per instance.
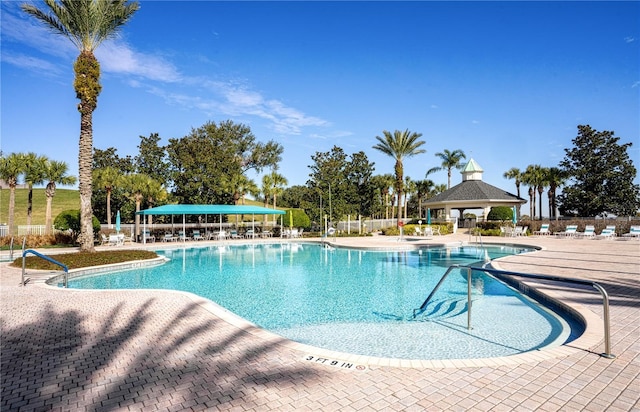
[472, 193]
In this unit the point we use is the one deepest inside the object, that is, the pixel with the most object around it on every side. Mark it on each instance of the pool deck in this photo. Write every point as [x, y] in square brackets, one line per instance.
[120, 350]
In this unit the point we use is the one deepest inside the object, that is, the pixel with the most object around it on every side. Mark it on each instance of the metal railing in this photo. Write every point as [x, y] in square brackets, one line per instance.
[605, 297]
[47, 258]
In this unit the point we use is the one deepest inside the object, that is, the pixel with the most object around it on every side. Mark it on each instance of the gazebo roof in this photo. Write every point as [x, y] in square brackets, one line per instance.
[471, 191]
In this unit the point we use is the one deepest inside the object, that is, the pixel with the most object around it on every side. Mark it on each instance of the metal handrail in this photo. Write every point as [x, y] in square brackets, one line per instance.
[605, 297]
[47, 258]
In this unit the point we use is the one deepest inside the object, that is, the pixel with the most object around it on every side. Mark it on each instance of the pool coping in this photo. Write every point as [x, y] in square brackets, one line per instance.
[587, 341]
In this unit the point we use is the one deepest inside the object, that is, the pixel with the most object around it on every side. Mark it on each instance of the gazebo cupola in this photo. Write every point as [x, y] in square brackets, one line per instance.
[472, 171]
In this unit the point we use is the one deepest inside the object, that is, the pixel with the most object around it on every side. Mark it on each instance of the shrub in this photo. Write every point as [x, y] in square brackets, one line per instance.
[503, 213]
[300, 219]
[70, 220]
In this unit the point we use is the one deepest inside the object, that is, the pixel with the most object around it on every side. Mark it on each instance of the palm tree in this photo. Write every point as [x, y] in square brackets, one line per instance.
[411, 187]
[267, 186]
[423, 188]
[555, 178]
[87, 23]
[34, 166]
[11, 168]
[279, 183]
[108, 178]
[136, 185]
[534, 177]
[154, 192]
[514, 173]
[450, 160]
[399, 145]
[55, 172]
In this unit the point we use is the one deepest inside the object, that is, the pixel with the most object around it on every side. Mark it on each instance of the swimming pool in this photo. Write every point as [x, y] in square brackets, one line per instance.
[357, 301]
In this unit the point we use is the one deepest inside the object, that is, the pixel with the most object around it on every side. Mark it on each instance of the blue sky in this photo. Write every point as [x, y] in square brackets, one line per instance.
[506, 82]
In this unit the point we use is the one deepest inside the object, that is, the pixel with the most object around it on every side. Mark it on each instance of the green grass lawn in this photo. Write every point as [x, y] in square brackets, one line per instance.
[64, 199]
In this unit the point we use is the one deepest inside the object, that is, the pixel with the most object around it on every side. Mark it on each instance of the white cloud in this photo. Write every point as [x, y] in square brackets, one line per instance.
[629, 39]
[118, 57]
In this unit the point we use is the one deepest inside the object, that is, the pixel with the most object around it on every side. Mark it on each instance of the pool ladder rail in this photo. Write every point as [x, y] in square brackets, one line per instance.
[469, 269]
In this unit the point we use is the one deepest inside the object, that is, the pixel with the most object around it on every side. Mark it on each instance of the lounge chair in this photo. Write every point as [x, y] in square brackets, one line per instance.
[196, 235]
[634, 232]
[589, 232]
[116, 240]
[607, 234]
[569, 231]
[168, 237]
[182, 236]
[148, 237]
[300, 232]
[233, 234]
[521, 231]
[222, 235]
[249, 233]
[265, 234]
[544, 230]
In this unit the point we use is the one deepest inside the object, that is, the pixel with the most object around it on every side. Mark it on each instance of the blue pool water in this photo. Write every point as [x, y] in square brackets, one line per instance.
[356, 301]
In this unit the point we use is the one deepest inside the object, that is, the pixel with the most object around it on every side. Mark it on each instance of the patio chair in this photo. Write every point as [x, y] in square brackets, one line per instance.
[222, 235]
[569, 231]
[196, 235]
[116, 240]
[607, 234]
[589, 232]
[168, 237]
[544, 230]
[148, 237]
[249, 233]
[233, 234]
[182, 236]
[435, 230]
[634, 232]
[300, 232]
[105, 239]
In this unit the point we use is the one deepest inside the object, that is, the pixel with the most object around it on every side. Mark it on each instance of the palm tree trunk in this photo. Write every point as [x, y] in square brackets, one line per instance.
[85, 162]
[12, 208]
[29, 204]
[48, 221]
[109, 208]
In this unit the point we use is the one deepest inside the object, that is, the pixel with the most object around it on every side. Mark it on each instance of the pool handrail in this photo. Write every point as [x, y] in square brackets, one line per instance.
[47, 258]
[605, 296]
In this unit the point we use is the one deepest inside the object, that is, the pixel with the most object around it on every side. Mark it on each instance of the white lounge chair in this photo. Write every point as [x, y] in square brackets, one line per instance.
[607, 234]
[168, 237]
[634, 232]
[196, 235]
[182, 236]
[589, 232]
[569, 231]
[544, 230]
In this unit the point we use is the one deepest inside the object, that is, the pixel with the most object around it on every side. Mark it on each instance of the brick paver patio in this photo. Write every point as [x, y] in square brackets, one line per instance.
[71, 350]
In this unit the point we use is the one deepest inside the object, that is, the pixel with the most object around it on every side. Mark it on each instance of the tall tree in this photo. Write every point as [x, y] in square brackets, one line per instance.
[152, 159]
[410, 189]
[55, 173]
[139, 187]
[11, 168]
[534, 177]
[515, 174]
[34, 168]
[107, 178]
[399, 145]
[601, 176]
[450, 160]
[555, 178]
[87, 23]
[279, 183]
[423, 189]
[205, 164]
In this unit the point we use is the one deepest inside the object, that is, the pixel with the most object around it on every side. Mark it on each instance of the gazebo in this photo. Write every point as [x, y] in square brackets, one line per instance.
[472, 193]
